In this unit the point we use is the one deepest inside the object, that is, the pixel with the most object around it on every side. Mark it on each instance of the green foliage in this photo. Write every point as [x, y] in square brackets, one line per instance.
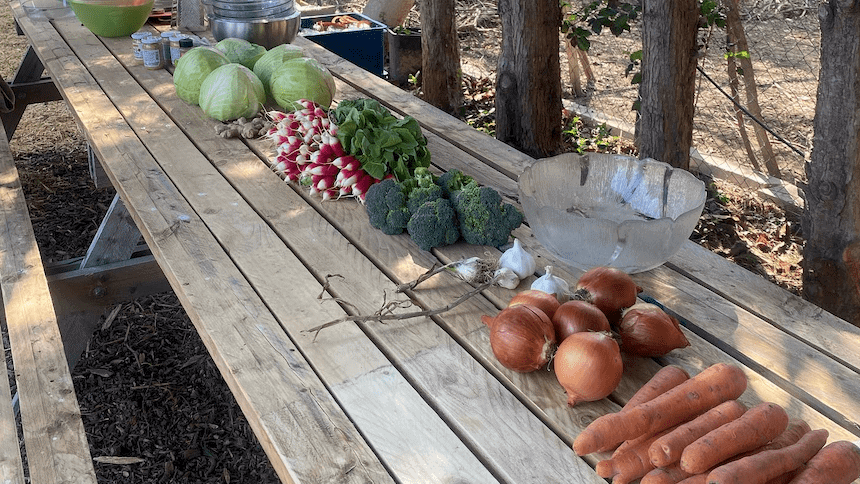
[484, 218]
[581, 140]
[382, 143]
[434, 224]
[594, 17]
[386, 206]
[712, 14]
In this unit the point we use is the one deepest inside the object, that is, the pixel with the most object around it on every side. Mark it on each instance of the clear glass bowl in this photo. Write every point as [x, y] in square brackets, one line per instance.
[600, 209]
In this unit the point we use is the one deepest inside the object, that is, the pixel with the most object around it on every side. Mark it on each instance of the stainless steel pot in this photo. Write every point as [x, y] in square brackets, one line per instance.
[268, 32]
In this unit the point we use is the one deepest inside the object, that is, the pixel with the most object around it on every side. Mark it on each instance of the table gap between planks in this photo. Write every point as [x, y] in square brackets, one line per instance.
[248, 255]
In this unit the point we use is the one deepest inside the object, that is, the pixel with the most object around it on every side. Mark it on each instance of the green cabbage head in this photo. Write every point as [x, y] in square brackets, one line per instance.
[193, 68]
[241, 51]
[271, 60]
[302, 78]
[231, 91]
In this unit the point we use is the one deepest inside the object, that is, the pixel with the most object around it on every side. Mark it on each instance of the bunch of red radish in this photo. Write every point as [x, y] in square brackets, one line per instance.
[682, 430]
[583, 337]
[309, 153]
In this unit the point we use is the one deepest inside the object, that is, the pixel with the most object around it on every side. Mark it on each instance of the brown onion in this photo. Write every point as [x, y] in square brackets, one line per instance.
[588, 366]
[577, 316]
[609, 289]
[522, 337]
[544, 301]
[646, 330]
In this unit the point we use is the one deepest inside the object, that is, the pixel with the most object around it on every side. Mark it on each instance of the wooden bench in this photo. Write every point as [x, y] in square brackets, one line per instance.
[53, 432]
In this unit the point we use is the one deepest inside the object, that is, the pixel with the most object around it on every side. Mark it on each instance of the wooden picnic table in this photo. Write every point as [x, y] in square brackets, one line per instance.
[256, 262]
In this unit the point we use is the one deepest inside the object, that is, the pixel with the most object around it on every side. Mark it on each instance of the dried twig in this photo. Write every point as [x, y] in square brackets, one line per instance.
[385, 313]
[473, 270]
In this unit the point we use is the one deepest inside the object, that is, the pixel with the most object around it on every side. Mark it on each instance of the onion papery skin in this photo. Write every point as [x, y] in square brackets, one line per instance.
[522, 338]
[608, 288]
[576, 317]
[646, 330]
[544, 301]
[588, 366]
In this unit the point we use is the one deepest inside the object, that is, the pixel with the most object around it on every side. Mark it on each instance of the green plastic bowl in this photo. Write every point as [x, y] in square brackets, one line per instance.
[112, 18]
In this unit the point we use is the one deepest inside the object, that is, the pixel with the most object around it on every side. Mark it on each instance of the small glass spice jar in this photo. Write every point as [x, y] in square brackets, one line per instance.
[152, 53]
[184, 46]
[174, 47]
[165, 44]
[136, 39]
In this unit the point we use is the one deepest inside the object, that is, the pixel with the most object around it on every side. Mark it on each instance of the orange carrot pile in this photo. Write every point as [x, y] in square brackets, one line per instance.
[681, 430]
[666, 378]
[758, 426]
[713, 386]
[763, 466]
[667, 449]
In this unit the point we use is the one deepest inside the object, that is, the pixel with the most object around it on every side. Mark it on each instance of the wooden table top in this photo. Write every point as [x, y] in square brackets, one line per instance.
[256, 262]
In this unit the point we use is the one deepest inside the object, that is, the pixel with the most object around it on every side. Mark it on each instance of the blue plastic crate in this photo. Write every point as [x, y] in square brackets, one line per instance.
[362, 47]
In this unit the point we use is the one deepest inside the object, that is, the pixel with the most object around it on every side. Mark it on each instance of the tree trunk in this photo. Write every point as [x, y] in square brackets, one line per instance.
[831, 222]
[665, 125]
[528, 79]
[441, 78]
[389, 12]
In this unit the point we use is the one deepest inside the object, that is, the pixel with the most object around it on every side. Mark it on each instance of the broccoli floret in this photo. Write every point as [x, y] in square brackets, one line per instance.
[386, 206]
[423, 188]
[434, 224]
[484, 218]
[453, 181]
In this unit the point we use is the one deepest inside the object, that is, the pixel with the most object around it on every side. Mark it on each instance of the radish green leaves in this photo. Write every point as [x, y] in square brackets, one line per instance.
[382, 142]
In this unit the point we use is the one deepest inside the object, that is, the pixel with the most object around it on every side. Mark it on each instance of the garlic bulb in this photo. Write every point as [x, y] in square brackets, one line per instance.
[507, 278]
[552, 284]
[518, 260]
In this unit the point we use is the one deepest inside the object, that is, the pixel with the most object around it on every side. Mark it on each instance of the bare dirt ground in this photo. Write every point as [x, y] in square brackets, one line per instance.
[147, 387]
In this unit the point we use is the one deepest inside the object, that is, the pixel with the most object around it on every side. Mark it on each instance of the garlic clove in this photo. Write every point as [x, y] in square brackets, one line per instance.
[552, 284]
[507, 278]
[518, 260]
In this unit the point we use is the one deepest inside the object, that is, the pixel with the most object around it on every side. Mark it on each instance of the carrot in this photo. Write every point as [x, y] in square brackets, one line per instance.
[630, 464]
[673, 474]
[837, 463]
[787, 477]
[696, 479]
[667, 449]
[665, 475]
[665, 379]
[711, 387]
[758, 426]
[769, 464]
[796, 429]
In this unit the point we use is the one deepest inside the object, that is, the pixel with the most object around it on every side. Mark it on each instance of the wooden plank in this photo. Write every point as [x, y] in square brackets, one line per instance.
[322, 445]
[56, 443]
[784, 310]
[413, 441]
[97, 171]
[413, 345]
[11, 466]
[116, 238]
